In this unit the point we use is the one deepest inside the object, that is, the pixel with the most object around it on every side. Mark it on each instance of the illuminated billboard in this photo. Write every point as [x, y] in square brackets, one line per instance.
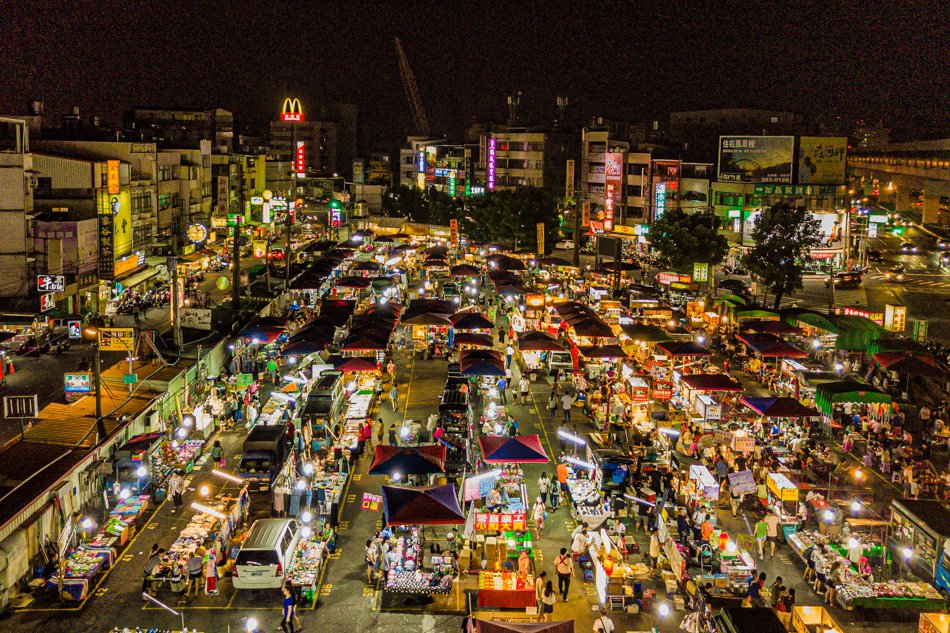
[292, 111]
[299, 158]
[613, 186]
[756, 159]
[492, 147]
[821, 160]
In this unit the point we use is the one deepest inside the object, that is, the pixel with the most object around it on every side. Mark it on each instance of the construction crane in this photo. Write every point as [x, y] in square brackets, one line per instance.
[412, 92]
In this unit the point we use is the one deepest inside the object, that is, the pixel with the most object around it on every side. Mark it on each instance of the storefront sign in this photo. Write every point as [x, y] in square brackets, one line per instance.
[700, 272]
[223, 191]
[77, 383]
[300, 157]
[668, 278]
[128, 263]
[195, 318]
[877, 317]
[454, 231]
[47, 302]
[260, 248]
[235, 219]
[662, 390]
[920, 330]
[106, 247]
[613, 186]
[116, 339]
[659, 201]
[569, 180]
[540, 227]
[793, 190]
[492, 147]
[895, 317]
[371, 502]
[743, 443]
[50, 283]
[112, 177]
[636, 229]
[585, 216]
[292, 111]
[494, 521]
[197, 233]
[764, 159]
[742, 482]
[75, 329]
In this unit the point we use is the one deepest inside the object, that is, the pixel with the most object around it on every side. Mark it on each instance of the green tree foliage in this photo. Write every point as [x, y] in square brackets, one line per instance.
[683, 239]
[784, 236]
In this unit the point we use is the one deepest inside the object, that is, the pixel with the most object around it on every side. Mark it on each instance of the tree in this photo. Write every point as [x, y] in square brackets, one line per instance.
[784, 236]
[511, 216]
[430, 206]
[683, 239]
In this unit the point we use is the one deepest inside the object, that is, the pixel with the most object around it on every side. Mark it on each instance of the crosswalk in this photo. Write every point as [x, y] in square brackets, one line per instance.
[939, 282]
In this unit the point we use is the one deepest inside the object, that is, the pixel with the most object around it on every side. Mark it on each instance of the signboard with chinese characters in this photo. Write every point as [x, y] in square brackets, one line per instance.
[492, 158]
[585, 216]
[106, 247]
[195, 318]
[662, 390]
[223, 190]
[300, 157]
[47, 302]
[659, 201]
[50, 283]
[74, 327]
[756, 159]
[569, 180]
[112, 177]
[613, 186]
[667, 278]
[371, 502]
[540, 227]
[116, 339]
[795, 190]
[920, 330]
[493, 521]
[77, 382]
[895, 317]
[700, 272]
[454, 231]
[359, 172]
[821, 160]
[877, 317]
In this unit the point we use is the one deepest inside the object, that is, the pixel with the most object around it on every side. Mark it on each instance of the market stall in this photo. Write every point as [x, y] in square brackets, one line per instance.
[309, 557]
[584, 483]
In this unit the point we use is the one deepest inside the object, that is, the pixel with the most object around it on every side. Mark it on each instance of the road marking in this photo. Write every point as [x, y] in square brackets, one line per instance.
[350, 498]
[343, 526]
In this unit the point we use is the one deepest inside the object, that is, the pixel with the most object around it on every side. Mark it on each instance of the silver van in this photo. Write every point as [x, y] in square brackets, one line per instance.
[266, 554]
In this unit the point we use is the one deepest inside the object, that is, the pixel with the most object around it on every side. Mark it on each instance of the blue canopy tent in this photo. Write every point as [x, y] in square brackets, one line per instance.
[431, 505]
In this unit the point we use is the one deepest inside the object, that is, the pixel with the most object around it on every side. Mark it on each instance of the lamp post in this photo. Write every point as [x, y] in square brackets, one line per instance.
[291, 113]
[96, 380]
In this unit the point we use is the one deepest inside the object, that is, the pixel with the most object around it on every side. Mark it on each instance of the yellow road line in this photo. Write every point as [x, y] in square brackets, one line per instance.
[412, 364]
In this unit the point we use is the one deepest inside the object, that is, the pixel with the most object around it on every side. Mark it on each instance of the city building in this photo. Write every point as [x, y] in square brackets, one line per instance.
[631, 201]
[525, 157]
[697, 132]
[438, 164]
[17, 183]
[329, 137]
[180, 127]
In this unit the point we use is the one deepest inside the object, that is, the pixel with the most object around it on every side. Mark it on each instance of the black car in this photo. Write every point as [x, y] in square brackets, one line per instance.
[875, 256]
[845, 280]
[909, 247]
[737, 286]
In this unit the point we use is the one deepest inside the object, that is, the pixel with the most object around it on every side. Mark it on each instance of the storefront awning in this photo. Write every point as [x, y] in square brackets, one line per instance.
[711, 382]
[826, 395]
[779, 407]
[140, 276]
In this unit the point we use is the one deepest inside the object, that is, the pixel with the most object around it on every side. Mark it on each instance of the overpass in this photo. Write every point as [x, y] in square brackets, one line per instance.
[913, 176]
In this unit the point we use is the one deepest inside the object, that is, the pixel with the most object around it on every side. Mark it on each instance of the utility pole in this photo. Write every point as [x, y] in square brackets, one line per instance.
[236, 271]
[97, 382]
[577, 232]
[291, 203]
[173, 300]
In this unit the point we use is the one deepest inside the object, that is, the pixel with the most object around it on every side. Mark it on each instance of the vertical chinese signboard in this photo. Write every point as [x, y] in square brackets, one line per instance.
[223, 190]
[299, 158]
[895, 317]
[585, 216]
[540, 228]
[490, 178]
[700, 272]
[569, 180]
[454, 231]
[112, 177]
[613, 186]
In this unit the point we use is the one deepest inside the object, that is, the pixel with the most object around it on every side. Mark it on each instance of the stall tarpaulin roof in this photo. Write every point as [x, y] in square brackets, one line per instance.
[427, 459]
[855, 333]
[358, 363]
[769, 345]
[435, 306]
[848, 391]
[711, 382]
[352, 282]
[480, 354]
[573, 310]
[621, 266]
[499, 626]
[556, 261]
[464, 270]
[511, 291]
[510, 263]
[482, 368]
[777, 328]
[535, 341]
[261, 331]
[366, 342]
[603, 351]
[431, 505]
[683, 348]
[521, 449]
[592, 328]
[304, 346]
[779, 407]
[471, 321]
[909, 364]
[367, 266]
[426, 318]
[641, 332]
[471, 338]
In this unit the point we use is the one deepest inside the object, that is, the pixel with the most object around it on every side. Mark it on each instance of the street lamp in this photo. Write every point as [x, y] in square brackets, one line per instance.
[96, 369]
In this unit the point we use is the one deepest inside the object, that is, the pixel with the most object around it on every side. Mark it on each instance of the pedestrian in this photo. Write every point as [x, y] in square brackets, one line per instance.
[547, 599]
[755, 590]
[288, 613]
[538, 513]
[509, 354]
[524, 386]
[580, 543]
[603, 624]
[176, 486]
[148, 570]
[392, 435]
[380, 428]
[217, 454]
[555, 496]
[564, 567]
[391, 370]
[370, 558]
[394, 397]
[539, 583]
[272, 370]
[654, 550]
[771, 533]
[502, 385]
[761, 535]
[566, 402]
[544, 486]
[194, 567]
[776, 589]
[552, 409]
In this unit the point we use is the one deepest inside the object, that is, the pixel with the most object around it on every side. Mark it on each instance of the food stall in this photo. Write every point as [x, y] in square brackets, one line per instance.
[702, 484]
[614, 577]
[584, 482]
[783, 490]
[309, 558]
[505, 590]
[810, 619]
[922, 527]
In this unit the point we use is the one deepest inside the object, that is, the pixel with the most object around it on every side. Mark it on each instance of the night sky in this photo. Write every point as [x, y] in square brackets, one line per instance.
[623, 60]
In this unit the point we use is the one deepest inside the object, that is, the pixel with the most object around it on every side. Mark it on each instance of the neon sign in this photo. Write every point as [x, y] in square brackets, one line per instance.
[492, 146]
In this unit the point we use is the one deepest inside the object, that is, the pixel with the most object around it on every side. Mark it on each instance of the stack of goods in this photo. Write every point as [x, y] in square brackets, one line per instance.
[359, 405]
[406, 576]
[84, 563]
[504, 581]
[331, 483]
[116, 525]
[133, 506]
[272, 411]
[891, 594]
[187, 450]
[308, 558]
[350, 436]
[201, 527]
[586, 495]
[511, 481]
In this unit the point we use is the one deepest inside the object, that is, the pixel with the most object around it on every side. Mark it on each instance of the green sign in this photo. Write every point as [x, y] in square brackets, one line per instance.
[235, 218]
[920, 330]
[244, 380]
[130, 379]
[700, 272]
[794, 190]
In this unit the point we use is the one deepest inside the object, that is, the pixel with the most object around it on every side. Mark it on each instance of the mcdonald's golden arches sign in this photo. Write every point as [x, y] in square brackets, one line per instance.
[292, 110]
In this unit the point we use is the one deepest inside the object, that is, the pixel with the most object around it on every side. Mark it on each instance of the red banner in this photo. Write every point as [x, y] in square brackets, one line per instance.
[503, 522]
[662, 390]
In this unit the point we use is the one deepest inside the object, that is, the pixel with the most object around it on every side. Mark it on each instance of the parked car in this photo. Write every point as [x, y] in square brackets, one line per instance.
[565, 245]
[736, 286]
[266, 553]
[845, 280]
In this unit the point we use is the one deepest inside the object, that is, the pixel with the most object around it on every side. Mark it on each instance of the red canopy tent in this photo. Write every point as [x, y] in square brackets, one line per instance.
[521, 449]
[419, 460]
[431, 505]
[358, 363]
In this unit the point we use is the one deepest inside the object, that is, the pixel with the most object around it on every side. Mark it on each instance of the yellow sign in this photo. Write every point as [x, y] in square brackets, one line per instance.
[540, 227]
[112, 176]
[895, 317]
[421, 180]
[454, 231]
[700, 272]
[292, 110]
[585, 217]
[119, 207]
[822, 159]
[569, 182]
[116, 339]
[129, 263]
[260, 248]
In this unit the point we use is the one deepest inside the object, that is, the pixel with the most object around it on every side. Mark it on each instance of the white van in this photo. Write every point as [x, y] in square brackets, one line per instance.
[265, 556]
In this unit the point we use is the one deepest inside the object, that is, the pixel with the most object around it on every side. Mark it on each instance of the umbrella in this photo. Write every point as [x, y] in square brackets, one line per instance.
[771, 346]
[910, 364]
[366, 342]
[482, 368]
[464, 270]
[479, 354]
[711, 382]
[435, 263]
[521, 449]
[440, 251]
[511, 291]
[303, 347]
[431, 505]
[500, 626]
[772, 327]
[384, 239]
[471, 321]
[358, 363]
[471, 338]
[603, 351]
[538, 342]
[395, 460]
[261, 331]
[352, 282]
[510, 263]
[368, 266]
[779, 407]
